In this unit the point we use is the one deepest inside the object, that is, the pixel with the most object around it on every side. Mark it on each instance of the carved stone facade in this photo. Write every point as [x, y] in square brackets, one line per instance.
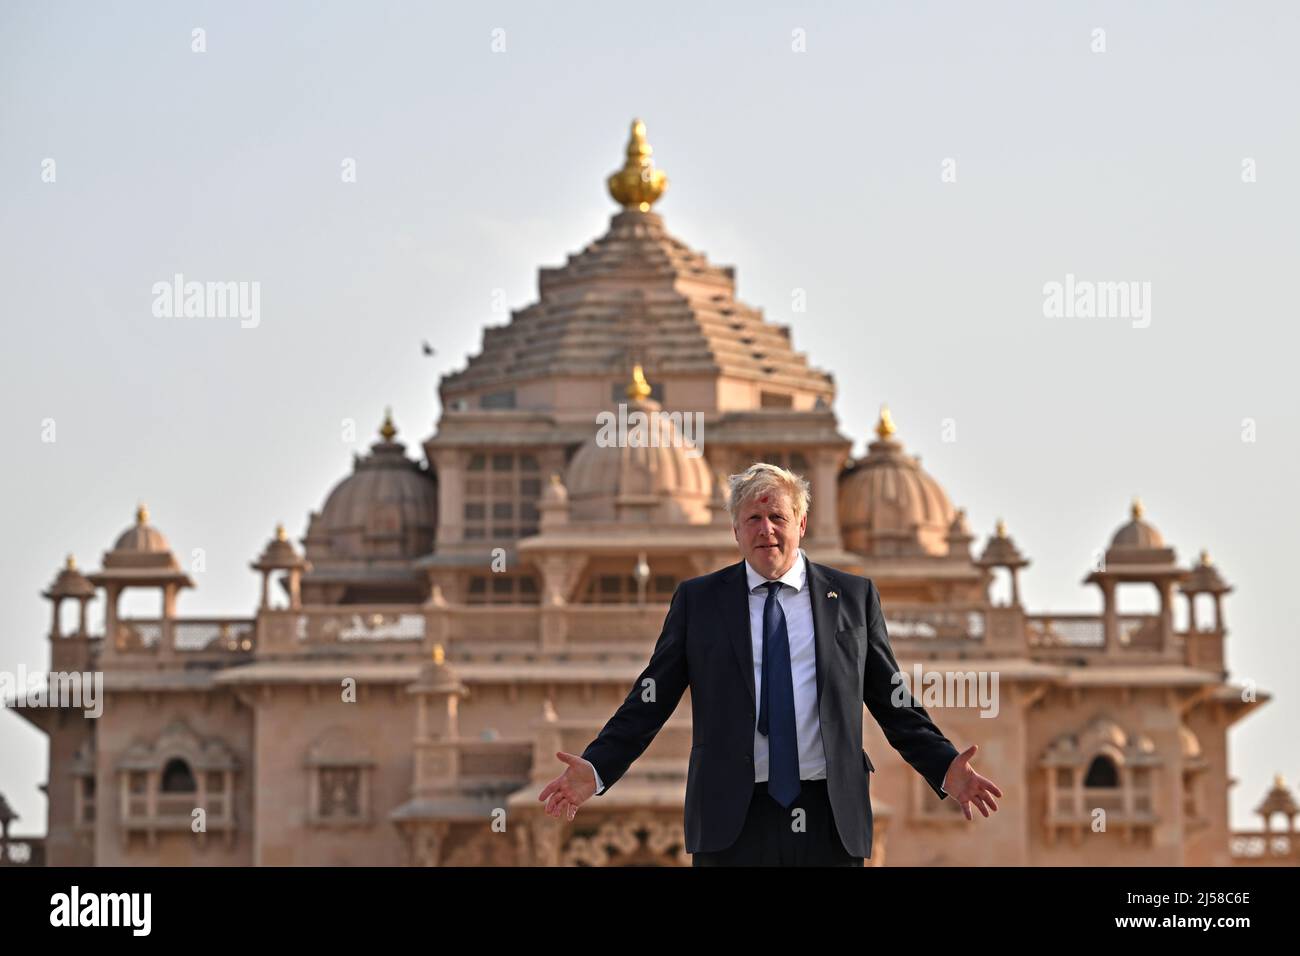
[398, 693]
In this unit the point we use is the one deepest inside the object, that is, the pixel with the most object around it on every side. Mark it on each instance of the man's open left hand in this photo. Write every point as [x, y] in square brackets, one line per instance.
[968, 787]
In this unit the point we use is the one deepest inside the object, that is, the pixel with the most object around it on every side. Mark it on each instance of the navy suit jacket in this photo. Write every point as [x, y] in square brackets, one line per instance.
[706, 645]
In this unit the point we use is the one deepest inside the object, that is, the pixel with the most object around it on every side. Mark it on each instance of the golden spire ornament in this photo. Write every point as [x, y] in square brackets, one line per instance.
[638, 388]
[387, 430]
[142, 514]
[638, 184]
[885, 428]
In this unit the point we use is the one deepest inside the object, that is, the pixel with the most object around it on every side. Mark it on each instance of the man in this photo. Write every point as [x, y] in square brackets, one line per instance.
[780, 655]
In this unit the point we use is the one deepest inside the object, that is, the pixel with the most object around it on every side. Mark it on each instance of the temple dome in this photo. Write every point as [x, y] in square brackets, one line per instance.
[140, 555]
[387, 507]
[70, 583]
[889, 505]
[142, 537]
[649, 477]
[1137, 548]
[1137, 533]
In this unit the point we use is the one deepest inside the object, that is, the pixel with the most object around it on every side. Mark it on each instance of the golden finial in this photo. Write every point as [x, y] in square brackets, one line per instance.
[439, 655]
[280, 533]
[1137, 510]
[638, 183]
[1278, 782]
[639, 388]
[142, 514]
[71, 563]
[1205, 558]
[885, 427]
[388, 429]
[1002, 528]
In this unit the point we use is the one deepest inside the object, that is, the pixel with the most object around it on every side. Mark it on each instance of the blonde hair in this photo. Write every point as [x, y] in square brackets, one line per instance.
[762, 476]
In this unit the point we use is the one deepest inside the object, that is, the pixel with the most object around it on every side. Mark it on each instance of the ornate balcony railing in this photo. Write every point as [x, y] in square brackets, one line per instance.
[360, 625]
[622, 628]
[509, 624]
[615, 623]
[193, 635]
[1264, 848]
[1109, 799]
[1085, 631]
[175, 810]
[22, 851]
[188, 635]
[919, 622]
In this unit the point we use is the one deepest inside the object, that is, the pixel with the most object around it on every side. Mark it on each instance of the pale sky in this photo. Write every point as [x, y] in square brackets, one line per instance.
[817, 171]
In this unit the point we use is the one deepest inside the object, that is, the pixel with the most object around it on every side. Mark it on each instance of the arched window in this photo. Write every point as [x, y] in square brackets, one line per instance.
[1101, 773]
[177, 778]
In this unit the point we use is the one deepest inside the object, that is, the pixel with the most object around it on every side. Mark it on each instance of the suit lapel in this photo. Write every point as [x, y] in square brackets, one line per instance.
[735, 618]
[824, 613]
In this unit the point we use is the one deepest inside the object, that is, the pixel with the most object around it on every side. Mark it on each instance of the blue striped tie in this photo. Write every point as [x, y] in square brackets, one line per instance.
[776, 711]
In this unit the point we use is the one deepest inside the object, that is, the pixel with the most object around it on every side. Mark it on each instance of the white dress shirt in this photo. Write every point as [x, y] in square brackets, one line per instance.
[797, 604]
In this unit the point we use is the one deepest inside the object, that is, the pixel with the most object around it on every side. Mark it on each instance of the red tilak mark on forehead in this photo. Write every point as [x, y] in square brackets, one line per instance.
[763, 499]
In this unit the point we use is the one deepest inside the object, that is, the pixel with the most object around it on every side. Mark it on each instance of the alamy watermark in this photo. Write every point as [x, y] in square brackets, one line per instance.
[653, 429]
[947, 689]
[179, 299]
[130, 910]
[1085, 299]
[82, 690]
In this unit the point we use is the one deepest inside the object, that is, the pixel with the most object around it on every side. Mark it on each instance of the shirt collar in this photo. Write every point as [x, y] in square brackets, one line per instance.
[794, 577]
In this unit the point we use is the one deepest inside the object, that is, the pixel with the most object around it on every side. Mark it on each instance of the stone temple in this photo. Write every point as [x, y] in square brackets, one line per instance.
[457, 612]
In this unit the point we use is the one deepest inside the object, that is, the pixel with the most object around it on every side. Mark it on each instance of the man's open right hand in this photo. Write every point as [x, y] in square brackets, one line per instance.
[569, 790]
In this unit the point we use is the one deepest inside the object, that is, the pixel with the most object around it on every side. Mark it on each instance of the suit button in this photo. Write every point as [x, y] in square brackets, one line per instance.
[748, 759]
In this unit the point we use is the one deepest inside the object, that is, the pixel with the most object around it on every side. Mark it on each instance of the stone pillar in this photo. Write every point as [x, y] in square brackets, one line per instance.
[153, 782]
[1165, 588]
[167, 641]
[559, 575]
[555, 627]
[824, 521]
[1109, 616]
[112, 591]
[450, 463]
